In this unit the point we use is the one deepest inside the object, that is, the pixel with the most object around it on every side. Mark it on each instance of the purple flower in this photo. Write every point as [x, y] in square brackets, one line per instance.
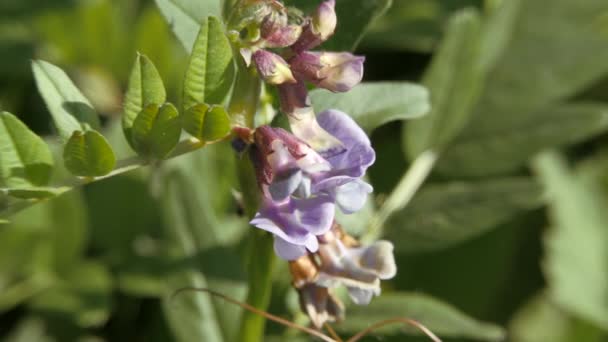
[342, 182]
[335, 71]
[295, 224]
[301, 185]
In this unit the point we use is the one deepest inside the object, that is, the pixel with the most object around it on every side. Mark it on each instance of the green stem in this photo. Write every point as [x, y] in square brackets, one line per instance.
[245, 95]
[259, 253]
[403, 193]
[122, 166]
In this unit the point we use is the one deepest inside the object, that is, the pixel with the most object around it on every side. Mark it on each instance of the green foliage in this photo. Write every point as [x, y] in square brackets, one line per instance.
[453, 90]
[542, 320]
[187, 16]
[25, 158]
[70, 110]
[414, 25]
[206, 123]
[374, 104]
[356, 16]
[83, 294]
[502, 81]
[156, 130]
[523, 84]
[88, 154]
[442, 215]
[512, 146]
[210, 70]
[145, 88]
[441, 318]
[578, 237]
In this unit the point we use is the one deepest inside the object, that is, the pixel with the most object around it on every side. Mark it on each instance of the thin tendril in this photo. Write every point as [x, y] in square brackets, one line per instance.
[408, 321]
[332, 332]
[258, 312]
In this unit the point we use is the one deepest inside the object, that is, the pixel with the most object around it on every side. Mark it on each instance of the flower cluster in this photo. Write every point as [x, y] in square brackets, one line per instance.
[305, 174]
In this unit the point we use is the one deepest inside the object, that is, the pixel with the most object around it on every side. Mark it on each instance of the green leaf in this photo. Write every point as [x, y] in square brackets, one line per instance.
[524, 79]
[441, 318]
[88, 154]
[576, 252]
[210, 70]
[442, 215]
[413, 25]
[354, 19]
[541, 320]
[70, 110]
[374, 104]
[203, 227]
[512, 146]
[186, 16]
[82, 295]
[25, 159]
[156, 130]
[523, 82]
[35, 192]
[453, 90]
[206, 123]
[145, 88]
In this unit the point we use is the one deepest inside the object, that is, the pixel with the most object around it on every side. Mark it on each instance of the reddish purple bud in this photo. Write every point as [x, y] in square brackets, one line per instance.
[335, 71]
[319, 28]
[277, 33]
[272, 67]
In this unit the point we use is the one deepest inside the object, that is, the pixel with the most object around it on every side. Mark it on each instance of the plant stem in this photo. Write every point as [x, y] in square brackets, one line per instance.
[259, 256]
[403, 193]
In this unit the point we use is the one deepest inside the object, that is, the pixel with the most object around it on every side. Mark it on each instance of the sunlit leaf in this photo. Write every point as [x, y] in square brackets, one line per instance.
[145, 88]
[210, 70]
[156, 130]
[206, 123]
[186, 16]
[25, 158]
[441, 318]
[576, 250]
[88, 154]
[441, 215]
[70, 110]
[374, 104]
[35, 192]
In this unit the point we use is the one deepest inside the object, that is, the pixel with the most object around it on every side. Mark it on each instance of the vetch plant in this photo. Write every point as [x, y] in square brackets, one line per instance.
[260, 79]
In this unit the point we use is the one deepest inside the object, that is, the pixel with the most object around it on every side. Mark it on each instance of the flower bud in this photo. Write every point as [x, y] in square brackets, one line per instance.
[272, 67]
[324, 21]
[320, 27]
[334, 71]
[277, 33]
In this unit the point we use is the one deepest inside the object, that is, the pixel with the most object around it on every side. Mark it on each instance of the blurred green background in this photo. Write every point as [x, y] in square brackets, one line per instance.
[504, 235]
